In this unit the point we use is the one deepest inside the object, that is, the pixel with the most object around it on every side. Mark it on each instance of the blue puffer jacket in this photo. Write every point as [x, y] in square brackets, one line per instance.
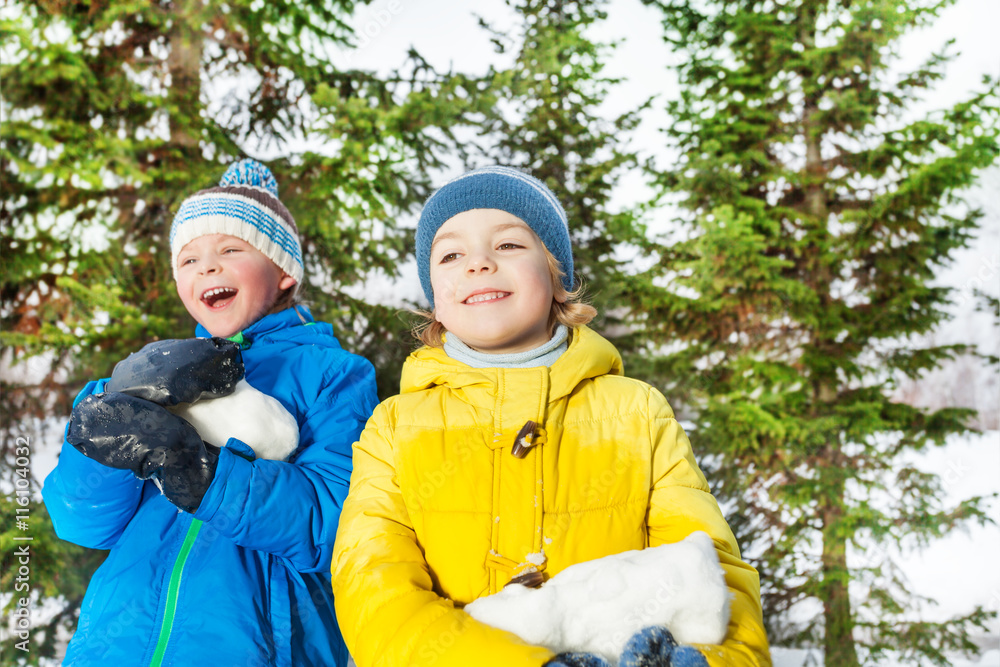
[245, 580]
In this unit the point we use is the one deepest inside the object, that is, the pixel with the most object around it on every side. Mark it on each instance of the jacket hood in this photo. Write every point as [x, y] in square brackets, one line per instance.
[589, 355]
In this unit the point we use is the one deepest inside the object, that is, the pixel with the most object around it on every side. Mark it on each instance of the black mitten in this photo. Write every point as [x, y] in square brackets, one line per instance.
[129, 433]
[577, 660]
[655, 646]
[169, 372]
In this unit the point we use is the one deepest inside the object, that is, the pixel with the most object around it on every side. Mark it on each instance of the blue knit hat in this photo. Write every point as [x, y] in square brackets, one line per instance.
[245, 205]
[501, 188]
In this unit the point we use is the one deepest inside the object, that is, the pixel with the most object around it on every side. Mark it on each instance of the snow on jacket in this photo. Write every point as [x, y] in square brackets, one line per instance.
[441, 513]
[245, 580]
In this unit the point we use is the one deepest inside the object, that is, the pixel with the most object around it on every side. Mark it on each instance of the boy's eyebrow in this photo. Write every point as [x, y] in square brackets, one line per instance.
[499, 229]
[442, 237]
[508, 225]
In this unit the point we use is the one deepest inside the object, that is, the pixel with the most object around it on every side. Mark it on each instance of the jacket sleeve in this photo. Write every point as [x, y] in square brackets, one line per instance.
[292, 509]
[680, 504]
[90, 504]
[386, 605]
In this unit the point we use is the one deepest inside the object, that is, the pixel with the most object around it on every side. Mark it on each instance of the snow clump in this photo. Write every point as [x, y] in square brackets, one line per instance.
[598, 605]
[248, 415]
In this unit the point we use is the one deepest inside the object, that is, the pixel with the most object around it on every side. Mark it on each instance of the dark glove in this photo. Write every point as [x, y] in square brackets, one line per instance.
[169, 372]
[577, 660]
[128, 433]
[656, 647]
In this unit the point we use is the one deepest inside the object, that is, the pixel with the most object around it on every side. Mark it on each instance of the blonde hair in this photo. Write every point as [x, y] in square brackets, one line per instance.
[567, 308]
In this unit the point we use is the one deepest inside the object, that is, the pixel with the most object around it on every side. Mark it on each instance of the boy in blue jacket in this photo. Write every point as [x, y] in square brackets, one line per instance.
[216, 557]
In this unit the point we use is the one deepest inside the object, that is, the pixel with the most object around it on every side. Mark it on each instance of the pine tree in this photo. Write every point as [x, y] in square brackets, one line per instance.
[547, 123]
[816, 211]
[113, 113]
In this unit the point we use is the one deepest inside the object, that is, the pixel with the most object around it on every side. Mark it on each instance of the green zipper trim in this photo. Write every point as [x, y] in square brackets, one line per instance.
[173, 589]
[239, 340]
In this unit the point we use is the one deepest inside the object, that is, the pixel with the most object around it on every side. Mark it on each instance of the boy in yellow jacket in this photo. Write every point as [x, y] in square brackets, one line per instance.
[515, 446]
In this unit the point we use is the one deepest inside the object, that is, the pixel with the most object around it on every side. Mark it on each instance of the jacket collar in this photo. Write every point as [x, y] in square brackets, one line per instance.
[289, 317]
[589, 355]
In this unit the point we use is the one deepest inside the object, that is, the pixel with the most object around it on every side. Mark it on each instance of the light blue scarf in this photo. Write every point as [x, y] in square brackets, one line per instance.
[544, 355]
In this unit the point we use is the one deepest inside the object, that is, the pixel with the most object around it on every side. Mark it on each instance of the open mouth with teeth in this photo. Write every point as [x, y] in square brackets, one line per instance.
[485, 296]
[218, 296]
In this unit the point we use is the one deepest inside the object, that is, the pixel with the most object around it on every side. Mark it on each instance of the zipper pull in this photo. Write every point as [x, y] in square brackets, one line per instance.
[243, 341]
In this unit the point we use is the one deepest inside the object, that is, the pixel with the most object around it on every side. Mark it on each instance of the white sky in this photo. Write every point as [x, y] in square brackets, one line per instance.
[450, 37]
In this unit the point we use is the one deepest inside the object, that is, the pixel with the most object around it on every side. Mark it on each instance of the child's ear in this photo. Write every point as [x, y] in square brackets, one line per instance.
[285, 282]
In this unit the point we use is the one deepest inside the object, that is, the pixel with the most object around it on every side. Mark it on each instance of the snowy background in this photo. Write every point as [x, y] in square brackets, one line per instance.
[960, 571]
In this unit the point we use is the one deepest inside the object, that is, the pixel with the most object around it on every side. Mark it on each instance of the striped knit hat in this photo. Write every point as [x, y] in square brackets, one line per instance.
[501, 188]
[245, 205]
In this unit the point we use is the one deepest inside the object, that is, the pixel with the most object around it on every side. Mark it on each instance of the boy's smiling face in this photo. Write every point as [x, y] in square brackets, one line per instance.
[491, 281]
[226, 284]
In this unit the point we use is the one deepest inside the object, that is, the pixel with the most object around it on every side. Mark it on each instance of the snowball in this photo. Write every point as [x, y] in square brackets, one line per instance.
[598, 605]
[248, 415]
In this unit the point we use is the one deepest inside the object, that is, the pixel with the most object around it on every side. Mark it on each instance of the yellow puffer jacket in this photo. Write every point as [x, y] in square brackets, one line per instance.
[441, 513]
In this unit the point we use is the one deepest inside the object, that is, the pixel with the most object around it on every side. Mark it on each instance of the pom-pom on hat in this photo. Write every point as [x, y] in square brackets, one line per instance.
[501, 188]
[244, 205]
